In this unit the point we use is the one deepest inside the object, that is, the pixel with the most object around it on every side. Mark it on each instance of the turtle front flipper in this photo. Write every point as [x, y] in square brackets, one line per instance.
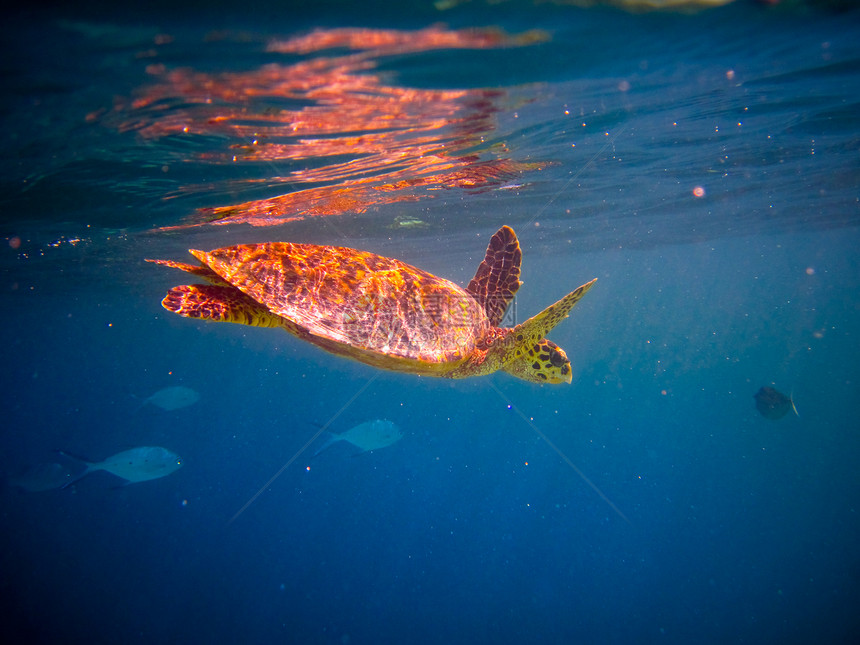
[528, 355]
[218, 304]
[540, 325]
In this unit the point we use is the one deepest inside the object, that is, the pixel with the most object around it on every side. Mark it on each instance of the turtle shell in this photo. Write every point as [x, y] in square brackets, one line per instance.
[346, 300]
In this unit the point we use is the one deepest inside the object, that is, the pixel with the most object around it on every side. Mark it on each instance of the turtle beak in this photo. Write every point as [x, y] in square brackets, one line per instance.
[560, 360]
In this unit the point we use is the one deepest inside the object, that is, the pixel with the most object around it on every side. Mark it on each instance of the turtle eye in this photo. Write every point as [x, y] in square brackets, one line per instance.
[556, 358]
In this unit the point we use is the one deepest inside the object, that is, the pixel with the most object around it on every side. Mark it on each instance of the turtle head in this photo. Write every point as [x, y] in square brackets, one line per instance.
[541, 362]
[529, 355]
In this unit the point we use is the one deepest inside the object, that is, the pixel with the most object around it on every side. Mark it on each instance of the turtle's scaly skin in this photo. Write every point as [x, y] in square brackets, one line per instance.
[494, 285]
[379, 310]
[498, 277]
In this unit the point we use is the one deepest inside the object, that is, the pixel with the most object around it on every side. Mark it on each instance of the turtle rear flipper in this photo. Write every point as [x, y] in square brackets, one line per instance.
[218, 304]
[195, 269]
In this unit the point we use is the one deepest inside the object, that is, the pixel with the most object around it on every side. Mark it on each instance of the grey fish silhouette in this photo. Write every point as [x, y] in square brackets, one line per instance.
[135, 465]
[773, 404]
[172, 398]
[41, 477]
[370, 435]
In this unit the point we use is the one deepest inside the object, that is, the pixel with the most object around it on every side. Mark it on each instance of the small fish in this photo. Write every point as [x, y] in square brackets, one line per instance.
[370, 435]
[773, 404]
[41, 477]
[406, 221]
[135, 465]
[172, 398]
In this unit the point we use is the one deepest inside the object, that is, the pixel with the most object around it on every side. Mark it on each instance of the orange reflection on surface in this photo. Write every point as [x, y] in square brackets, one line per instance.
[358, 196]
[436, 37]
[329, 127]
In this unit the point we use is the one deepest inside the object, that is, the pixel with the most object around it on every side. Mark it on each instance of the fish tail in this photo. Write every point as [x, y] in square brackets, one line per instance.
[793, 407]
[330, 438]
[140, 405]
[75, 457]
[86, 471]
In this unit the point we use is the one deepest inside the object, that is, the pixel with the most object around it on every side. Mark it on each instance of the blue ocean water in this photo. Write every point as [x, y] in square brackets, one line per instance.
[703, 165]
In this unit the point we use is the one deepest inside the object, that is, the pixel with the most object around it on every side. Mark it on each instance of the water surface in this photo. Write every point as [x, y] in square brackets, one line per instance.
[703, 166]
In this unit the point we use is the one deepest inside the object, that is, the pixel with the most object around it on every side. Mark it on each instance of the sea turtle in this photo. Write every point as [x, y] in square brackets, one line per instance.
[379, 310]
